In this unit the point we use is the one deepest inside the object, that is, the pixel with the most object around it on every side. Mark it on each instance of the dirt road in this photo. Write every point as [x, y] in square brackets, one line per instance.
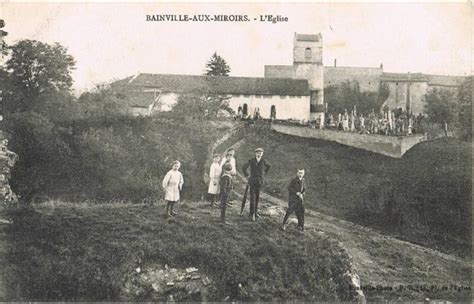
[382, 260]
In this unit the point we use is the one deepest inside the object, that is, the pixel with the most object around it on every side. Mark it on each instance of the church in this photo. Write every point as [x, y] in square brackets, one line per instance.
[297, 95]
[286, 92]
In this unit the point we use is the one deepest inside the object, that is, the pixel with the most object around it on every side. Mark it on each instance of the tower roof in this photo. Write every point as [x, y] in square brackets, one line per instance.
[306, 37]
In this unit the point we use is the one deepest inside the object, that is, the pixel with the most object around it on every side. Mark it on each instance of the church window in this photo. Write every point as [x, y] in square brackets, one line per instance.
[307, 53]
[245, 109]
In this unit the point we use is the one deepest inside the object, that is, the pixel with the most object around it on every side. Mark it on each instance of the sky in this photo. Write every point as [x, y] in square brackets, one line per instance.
[112, 41]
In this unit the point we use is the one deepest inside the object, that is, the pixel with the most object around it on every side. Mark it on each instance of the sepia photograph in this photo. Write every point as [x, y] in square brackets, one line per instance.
[236, 152]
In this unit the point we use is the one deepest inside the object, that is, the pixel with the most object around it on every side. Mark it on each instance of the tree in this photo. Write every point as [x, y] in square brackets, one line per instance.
[465, 96]
[35, 68]
[199, 106]
[217, 66]
[346, 95]
[441, 106]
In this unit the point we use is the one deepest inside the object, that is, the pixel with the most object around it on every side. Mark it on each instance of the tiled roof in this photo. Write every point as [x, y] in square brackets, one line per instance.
[304, 37]
[434, 80]
[403, 77]
[220, 84]
[442, 80]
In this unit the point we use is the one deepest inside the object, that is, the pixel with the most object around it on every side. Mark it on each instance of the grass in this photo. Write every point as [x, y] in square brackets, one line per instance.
[429, 179]
[82, 252]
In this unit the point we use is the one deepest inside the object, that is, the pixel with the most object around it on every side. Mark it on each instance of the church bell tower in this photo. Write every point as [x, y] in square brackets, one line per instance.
[308, 64]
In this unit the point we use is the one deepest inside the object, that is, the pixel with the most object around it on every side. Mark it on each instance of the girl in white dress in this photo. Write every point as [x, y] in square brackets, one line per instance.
[214, 176]
[172, 184]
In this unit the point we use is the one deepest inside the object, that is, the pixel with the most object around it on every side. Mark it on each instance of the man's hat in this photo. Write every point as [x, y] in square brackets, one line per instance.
[258, 150]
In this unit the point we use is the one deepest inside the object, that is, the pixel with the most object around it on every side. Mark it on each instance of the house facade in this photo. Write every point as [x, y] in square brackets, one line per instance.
[286, 98]
[297, 95]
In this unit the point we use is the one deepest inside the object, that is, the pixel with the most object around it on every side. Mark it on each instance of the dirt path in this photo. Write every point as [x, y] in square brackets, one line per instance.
[380, 259]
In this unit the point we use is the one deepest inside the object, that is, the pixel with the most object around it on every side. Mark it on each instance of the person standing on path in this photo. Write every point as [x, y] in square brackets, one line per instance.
[226, 185]
[296, 191]
[229, 157]
[214, 176]
[259, 167]
[172, 185]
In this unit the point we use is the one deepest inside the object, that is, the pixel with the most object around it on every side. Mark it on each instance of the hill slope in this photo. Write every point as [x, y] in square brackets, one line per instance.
[424, 197]
[389, 268]
[84, 252]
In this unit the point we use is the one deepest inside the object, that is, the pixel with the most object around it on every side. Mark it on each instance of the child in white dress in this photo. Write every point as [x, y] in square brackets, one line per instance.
[172, 184]
[214, 176]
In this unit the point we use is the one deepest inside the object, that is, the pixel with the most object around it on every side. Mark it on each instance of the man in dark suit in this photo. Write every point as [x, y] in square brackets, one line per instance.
[296, 191]
[258, 169]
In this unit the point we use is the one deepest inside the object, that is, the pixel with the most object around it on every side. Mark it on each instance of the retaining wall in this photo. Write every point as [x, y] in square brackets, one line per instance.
[392, 146]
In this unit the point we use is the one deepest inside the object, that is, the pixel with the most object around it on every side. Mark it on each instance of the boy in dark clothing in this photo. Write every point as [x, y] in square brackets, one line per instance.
[296, 191]
[226, 184]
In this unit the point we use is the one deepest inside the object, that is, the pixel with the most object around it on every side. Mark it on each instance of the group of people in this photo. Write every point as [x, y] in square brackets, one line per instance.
[222, 175]
[387, 123]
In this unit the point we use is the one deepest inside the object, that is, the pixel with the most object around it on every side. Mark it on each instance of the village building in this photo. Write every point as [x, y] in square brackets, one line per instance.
[298, 96]
[287, 92]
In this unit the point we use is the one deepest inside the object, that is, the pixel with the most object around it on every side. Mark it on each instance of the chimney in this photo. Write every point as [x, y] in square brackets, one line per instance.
[381, 66]
[335, 62]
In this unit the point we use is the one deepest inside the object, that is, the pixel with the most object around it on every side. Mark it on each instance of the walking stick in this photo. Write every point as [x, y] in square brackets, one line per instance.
[244, 200]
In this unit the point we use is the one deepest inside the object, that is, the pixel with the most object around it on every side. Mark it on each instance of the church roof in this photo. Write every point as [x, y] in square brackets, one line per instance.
[403, 77]
[443, 80]
[304, 37]
[167, 83]
[433, 80]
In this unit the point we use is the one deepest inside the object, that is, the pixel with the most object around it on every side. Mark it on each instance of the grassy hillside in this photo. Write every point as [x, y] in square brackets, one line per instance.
[83, 252]
[118, 158]
[425, 197]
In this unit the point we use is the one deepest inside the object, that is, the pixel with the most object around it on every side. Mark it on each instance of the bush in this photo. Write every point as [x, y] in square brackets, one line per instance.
[105, 158]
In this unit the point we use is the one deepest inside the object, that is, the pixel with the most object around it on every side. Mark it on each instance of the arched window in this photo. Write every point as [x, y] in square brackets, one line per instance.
[245, 110]
[307, 54]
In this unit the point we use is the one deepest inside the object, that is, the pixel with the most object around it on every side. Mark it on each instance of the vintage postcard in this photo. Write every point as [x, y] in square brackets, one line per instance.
[224, 152]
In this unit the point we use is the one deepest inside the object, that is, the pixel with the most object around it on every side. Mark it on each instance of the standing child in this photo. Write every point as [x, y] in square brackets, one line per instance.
[296, 191]
[172, 184]
[214, 176]
[229, 158]
[226, 184]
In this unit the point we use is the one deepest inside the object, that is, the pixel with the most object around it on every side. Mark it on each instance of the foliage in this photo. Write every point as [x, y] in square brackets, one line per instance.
[84, 253]
[199, 107]
[441, 106]
[465, 97]
[217, 66]
[105, 158]
[35, 69]
[346, 95]
[101, 102]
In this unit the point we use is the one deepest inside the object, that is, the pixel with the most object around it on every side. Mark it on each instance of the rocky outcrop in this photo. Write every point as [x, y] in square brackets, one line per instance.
[7, 161]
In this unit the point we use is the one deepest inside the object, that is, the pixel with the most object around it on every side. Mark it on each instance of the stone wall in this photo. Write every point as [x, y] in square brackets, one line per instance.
[387, 145]
[368, 78]
[7, 161]
[399, 95]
